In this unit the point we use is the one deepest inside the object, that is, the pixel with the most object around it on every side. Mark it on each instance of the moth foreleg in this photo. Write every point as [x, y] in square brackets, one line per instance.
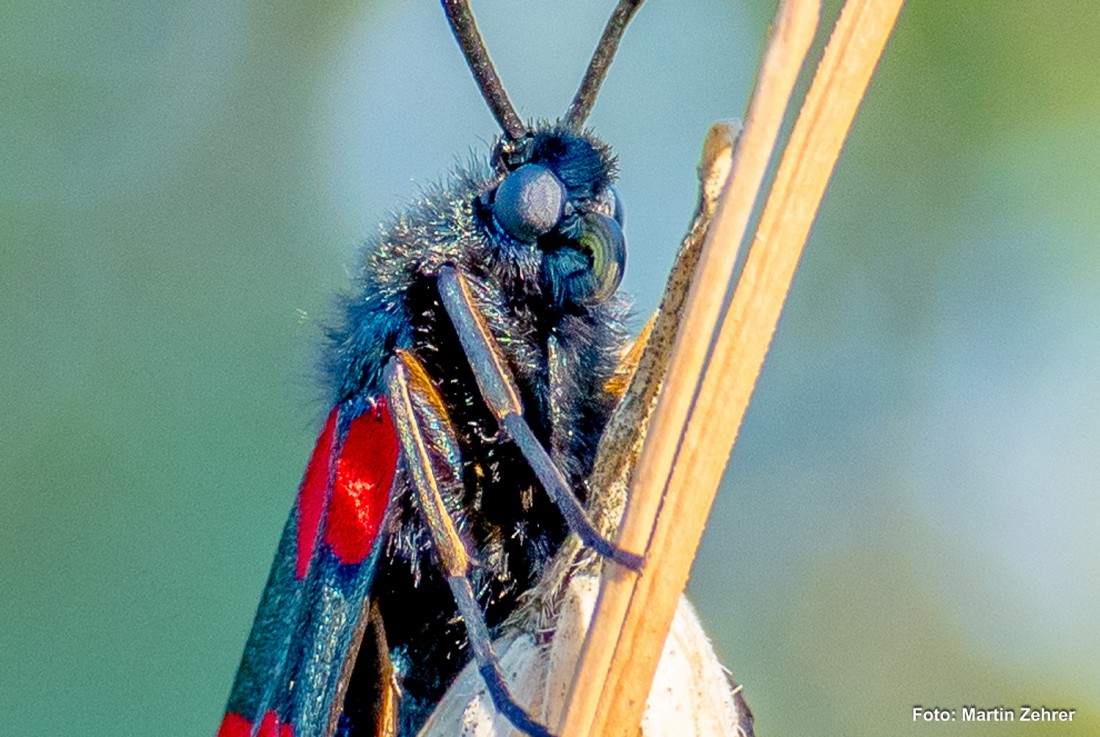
[427, 442]
[498, 389]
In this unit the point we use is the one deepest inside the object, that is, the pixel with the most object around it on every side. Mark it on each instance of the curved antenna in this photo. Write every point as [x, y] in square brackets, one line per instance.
[469, 40]
[601, 60]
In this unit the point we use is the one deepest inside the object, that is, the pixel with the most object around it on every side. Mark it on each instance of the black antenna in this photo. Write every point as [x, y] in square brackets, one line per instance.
[469, 40]
[601, 60]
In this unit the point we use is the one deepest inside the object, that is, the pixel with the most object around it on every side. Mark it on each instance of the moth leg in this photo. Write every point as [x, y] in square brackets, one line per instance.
[427, 439]
[379, 691]
[498, 389]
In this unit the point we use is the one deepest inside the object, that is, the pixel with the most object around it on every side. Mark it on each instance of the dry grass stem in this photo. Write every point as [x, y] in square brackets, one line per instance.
[793, 33]
[634, 613]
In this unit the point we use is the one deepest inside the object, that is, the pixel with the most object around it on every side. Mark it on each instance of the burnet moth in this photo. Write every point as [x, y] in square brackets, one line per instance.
[692, 695]
[471, 377]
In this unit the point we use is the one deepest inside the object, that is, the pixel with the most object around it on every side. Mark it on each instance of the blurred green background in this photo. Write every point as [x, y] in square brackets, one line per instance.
[910, 516]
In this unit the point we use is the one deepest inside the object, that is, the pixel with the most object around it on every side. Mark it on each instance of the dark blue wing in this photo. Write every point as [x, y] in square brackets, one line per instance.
[313, 611]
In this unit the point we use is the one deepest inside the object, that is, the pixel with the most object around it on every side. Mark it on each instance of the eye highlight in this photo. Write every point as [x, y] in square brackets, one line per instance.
[608, 202]
[529, 202]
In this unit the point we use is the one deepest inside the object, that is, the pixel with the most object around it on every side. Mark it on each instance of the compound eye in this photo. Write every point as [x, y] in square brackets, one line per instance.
[529, 202]
[602, 238]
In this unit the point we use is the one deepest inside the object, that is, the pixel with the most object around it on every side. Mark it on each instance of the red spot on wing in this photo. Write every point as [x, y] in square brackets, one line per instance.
[311, 495]
[234, 725]
[361, 490]
[269, 726]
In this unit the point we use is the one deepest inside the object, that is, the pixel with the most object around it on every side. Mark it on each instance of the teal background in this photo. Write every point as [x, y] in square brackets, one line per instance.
[910, 516]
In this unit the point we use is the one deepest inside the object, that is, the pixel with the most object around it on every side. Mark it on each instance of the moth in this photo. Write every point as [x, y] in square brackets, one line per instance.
[692, 695]
[471, 377]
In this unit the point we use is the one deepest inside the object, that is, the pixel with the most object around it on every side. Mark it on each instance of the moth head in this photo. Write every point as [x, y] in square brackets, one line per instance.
[556, 192]
[556, 186]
